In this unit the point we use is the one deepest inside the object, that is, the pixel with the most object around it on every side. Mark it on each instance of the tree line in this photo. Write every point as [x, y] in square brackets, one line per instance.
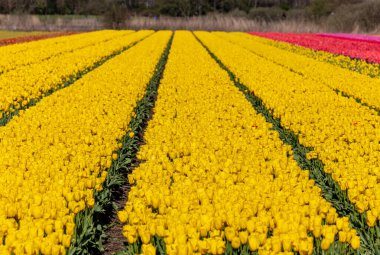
[342, 15]
[152, 7]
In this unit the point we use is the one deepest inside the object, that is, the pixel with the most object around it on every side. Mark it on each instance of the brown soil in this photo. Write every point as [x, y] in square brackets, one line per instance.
[115, 239]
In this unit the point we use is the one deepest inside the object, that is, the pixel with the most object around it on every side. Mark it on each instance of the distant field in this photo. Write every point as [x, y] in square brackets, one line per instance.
[12, 37]
[14, 34]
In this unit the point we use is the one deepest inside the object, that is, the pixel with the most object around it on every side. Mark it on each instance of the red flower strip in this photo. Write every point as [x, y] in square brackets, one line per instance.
[369, 51]
[356, 37]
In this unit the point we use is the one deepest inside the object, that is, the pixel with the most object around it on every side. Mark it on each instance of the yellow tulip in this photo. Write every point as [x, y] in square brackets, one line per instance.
[235, 243]
[230, 233]
[253, 243]
[204, 246]
[145, 237]
[355, 242]
[243, 235]
[371, 219]
[325, 244]
[123, 216]
[148, 249]
[342, 236]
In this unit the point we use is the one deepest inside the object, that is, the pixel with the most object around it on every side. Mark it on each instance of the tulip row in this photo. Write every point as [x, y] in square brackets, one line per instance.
[357, 65]
[358, 86]
[368, 51]
[344, 135]
[215, 178]
[36, 52]
[13, 39]
[55, 154]
[96, 223]
[28, 83]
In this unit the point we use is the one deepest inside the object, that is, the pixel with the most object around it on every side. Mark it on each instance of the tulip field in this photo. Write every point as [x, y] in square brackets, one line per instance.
[190, 142]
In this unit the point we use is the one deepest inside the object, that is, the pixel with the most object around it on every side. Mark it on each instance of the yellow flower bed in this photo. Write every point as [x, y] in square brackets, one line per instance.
[54, 155]
[20, 86]
[352, 83]
[213, 170]
[361, 66]
[17, 55]
[344, 134]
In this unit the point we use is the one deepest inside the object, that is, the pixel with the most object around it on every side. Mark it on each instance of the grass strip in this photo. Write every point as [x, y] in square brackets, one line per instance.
[91, 224]
[13, 111]
[330, 189]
